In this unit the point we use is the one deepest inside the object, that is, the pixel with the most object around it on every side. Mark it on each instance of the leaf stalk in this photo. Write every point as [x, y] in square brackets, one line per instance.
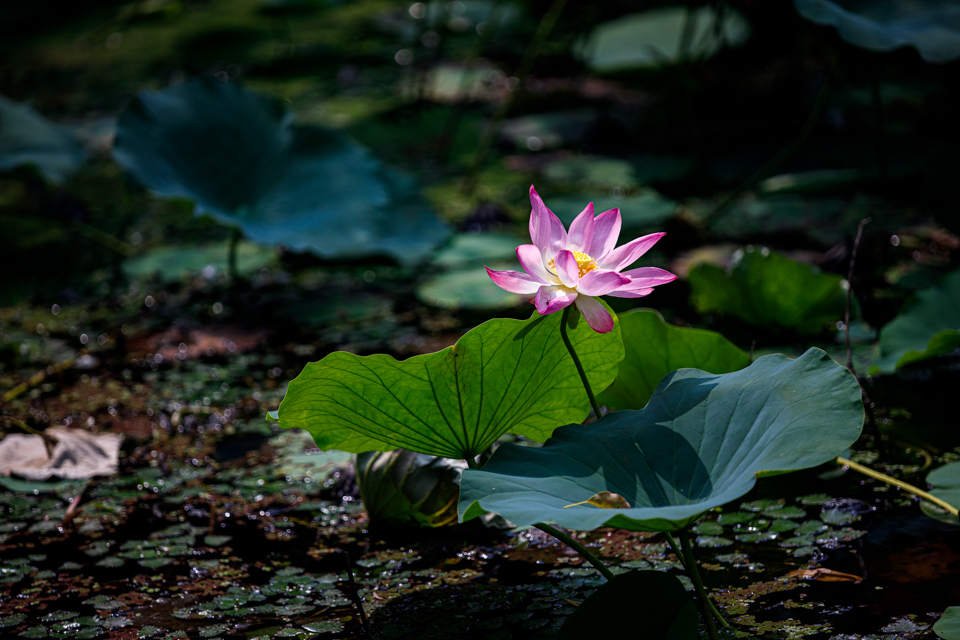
[579, 548]
[691, 567]
[900, 484]
[576, 361]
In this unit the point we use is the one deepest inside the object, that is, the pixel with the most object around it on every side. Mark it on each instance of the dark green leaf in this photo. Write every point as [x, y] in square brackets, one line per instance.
[698, 444]
[239, 157]
[928, 327]
[771, 291]
[27, 138]
[505, 375]
[654, 348]
[656, 598]
[932, 26]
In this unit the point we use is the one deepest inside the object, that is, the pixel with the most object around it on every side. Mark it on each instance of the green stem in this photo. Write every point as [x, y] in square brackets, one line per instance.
[576, 361]
[691, 566]
[576, 546]
[471, 462]
[679, 554]
[235, 237]
[900, 484]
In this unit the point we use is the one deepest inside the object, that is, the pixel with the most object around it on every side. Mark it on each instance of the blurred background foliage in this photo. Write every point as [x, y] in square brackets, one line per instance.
[392, 144]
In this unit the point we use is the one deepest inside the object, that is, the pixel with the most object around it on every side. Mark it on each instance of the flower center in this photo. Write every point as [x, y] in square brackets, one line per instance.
[585, 263]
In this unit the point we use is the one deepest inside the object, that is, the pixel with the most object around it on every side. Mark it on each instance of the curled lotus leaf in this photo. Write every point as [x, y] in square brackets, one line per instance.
[700, 442]
[238, 155]
[403, 487]
[503, 376]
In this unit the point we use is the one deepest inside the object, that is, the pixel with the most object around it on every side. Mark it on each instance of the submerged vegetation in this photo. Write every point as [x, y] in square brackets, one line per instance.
[269, 366]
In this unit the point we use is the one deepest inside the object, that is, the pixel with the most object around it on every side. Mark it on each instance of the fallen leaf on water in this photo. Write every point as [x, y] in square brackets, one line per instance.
[824, 575]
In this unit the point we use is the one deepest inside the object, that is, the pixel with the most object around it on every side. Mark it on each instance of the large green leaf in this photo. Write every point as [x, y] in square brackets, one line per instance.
[239, 157]
[948, 626]
[26, 138]
[503, 376]
[654, 348]
[945, 484]
[403, 487]
[929, 327]
[700, 442]
[932, 26]
[663, 36]
[771, 291]
[612, 611]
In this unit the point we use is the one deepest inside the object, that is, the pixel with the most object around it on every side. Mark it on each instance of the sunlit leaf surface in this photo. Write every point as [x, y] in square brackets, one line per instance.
[503, 376]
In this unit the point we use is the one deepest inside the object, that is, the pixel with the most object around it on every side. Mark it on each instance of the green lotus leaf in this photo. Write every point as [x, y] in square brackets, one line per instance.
[502, 376]
[239, 157]
[928, 327]
[770, 290]
[663, 36]
[948, 626]
[654, 349]
[27, 138]
[177, 262]
[403, 487]
[700, 442]
[612, 611]
[945, 484]
[932, 26]
[468, 289]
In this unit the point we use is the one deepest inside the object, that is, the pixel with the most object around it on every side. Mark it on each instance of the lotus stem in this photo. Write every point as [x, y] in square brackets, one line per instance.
[691, 567]
[579, 548]
[679, 554]
[576, 361]
[471, 462]
[900, 484]
[235, 236]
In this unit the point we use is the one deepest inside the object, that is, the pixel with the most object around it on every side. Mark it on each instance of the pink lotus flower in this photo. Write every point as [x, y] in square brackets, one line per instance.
[563, 268]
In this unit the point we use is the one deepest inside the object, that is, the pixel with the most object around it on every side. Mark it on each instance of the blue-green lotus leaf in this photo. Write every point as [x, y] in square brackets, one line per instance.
[502, 376]
[945, 484]
[932, 26]
[240, 158]
[653, 349]
[403, 487]
[769, 290]
[948, 626]
[927, 328]
[701, 441]
[27, 138]
[662, 36]
[612, 611]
